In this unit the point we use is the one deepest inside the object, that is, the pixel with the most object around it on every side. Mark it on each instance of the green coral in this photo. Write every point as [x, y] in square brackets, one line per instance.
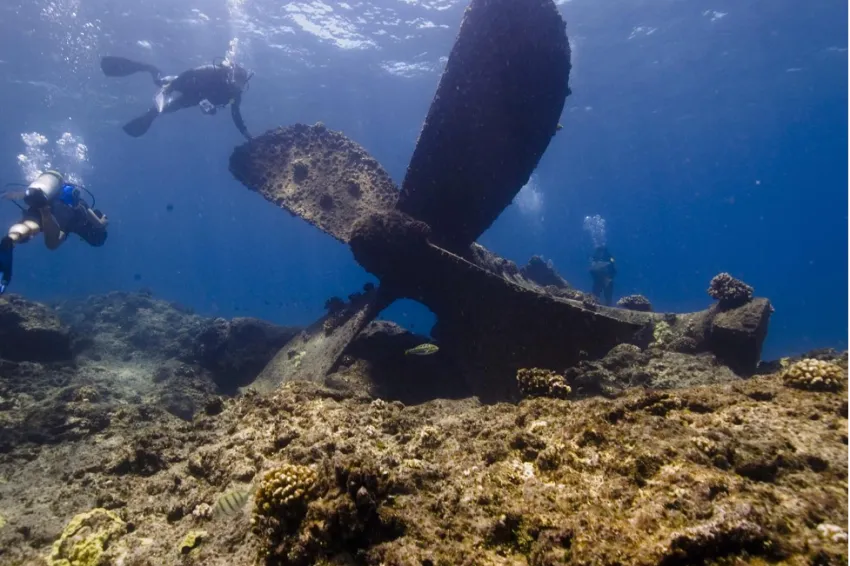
[86, 538]
[662, 334]
[192, 540]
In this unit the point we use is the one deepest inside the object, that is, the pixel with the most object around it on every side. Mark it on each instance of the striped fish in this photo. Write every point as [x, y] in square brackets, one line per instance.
[422, 350]
[231, 502]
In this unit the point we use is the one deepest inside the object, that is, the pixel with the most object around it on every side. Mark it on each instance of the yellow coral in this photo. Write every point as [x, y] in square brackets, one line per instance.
[537, 382]
[283, 493]
[192, 540]
[85, 539]
[814, 375]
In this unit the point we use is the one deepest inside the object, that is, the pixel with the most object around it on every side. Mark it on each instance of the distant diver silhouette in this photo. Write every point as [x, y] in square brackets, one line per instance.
[209, 86]
[602, 271]
[57, 209]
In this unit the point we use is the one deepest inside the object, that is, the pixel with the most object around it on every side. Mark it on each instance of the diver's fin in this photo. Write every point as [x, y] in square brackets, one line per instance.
[121, 67]
[13, 195]
[142, 124]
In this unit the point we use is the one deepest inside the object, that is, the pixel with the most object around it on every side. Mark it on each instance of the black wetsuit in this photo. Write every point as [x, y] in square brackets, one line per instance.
[208, 86]
[602, 271]
[74, 219]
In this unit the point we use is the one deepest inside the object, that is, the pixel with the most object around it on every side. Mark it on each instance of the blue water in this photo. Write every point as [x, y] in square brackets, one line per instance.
[710, 136]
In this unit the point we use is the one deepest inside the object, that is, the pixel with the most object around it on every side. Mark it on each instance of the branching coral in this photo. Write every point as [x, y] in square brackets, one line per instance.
[730, 292]
[536, 382]
[814, 375]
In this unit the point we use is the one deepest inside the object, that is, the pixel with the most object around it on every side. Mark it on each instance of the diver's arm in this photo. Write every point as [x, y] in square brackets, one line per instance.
[53, 235]
[237, 116]
[97, 221]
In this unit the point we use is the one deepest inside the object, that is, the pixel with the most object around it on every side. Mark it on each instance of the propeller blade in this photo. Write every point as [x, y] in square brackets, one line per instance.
[317, 174]
[496, 109]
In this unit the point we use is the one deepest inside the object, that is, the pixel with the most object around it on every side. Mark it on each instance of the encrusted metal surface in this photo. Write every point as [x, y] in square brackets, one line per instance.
[317, 174]
[495, 111]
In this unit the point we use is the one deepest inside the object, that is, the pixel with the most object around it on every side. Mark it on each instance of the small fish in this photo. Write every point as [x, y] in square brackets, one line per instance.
[425, 349]
[559, 127]
[231, 502]
[169, 207]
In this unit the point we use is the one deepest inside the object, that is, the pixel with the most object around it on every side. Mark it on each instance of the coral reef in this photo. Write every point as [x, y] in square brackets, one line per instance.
[537, 382]
[281, 503]
[31, 332]
[657, 458]
[635, 303]
[815, 375]
[728, 291]
[121, 325]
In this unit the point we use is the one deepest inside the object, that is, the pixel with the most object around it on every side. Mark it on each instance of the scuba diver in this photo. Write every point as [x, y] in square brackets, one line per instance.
[209, 86]
[602, 271]
[55, 208]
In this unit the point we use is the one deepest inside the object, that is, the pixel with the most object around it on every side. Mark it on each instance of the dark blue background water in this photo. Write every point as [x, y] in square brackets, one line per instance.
[711, 138]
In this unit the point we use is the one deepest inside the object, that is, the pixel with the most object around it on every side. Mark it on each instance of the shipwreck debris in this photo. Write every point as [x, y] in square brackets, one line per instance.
[496, 109]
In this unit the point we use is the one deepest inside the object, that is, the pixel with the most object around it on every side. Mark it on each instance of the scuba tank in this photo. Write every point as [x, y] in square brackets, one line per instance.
[44, 189]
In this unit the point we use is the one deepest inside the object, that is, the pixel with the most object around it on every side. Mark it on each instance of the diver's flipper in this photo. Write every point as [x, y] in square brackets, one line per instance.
[142, 124]
[121, 67]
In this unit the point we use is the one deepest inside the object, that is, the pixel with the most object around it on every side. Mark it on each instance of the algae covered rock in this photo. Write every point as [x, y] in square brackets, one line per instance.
[86, 539]
[536, 382]
[31, 332]
[635, 303]
[236, 351]
[192, 540]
